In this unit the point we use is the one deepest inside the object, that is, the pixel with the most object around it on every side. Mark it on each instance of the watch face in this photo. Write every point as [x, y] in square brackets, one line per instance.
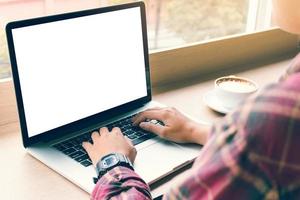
[110, 161]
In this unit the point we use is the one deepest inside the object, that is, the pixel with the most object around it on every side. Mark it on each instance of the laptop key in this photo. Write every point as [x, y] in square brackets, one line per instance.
[82, 158]
[135, 128]
[68, 144]
[59, 147]
[122, 127]
[129, 132]
[69, 151]
[79, 148]
[76, 154]
[139, 134]
[86, 163]
[142, 139]
[73, 148]
[138, 141]
[132, 137]
[74, 143]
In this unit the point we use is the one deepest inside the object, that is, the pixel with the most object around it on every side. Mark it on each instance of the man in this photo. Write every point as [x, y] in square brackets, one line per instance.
[251, 153]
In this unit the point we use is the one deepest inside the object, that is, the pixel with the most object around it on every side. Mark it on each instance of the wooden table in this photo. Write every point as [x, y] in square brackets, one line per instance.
[23, 177]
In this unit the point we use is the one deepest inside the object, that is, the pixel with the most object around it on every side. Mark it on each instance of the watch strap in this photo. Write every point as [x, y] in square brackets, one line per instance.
[123, 161]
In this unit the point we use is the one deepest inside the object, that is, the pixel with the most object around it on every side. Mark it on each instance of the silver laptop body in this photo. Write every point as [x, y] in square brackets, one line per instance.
[76, 72]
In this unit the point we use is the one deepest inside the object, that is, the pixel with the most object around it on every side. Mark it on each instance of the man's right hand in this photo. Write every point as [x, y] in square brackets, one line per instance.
[176, 128]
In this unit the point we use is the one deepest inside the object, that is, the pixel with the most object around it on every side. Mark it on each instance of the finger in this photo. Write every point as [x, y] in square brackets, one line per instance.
[129, 141]
[155, 108]
[95, 135]
[149, 109]
[116, 130]
[154, 128]
[152, 114]
[87, 146]
[103, 131]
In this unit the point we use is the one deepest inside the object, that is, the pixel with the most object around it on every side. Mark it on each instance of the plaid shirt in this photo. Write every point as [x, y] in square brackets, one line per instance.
[252, 153]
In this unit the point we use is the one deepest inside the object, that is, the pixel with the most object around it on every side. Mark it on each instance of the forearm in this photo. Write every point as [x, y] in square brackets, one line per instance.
[120, 183]
[198, 133]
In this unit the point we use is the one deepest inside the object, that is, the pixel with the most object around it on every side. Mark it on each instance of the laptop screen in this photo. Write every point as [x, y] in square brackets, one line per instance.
[74, 68]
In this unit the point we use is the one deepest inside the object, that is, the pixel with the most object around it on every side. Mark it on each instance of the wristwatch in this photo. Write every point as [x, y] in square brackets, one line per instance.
[110, 161]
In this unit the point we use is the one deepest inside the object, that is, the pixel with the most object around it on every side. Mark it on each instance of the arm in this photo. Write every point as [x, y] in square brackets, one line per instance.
[119, 182]
[177, 127]
[252, 153]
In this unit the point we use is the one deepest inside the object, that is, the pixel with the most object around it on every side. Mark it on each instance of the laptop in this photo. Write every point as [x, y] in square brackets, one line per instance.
[74, 73]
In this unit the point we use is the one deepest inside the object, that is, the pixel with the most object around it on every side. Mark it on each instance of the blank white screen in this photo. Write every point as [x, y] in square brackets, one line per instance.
[75, 68]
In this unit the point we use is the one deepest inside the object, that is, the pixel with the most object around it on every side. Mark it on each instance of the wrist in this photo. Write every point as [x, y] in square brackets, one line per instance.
[110, 161]
[198, 132]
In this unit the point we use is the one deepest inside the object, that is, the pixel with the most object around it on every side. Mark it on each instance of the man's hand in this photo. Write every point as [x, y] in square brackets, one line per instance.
[105, 142]
[177, 127]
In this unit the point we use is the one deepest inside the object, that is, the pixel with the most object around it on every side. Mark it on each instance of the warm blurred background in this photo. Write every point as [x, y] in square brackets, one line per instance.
[170, 22]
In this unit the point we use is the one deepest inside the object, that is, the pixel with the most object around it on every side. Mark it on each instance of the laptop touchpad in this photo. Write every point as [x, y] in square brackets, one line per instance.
[158, 159]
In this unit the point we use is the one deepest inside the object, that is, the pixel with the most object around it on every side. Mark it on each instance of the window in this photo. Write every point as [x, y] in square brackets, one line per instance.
[170, 22]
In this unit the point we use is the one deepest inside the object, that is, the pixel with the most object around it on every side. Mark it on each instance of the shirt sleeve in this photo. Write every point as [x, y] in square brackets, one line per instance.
[121, 183]
[294, 67]
[252, 153]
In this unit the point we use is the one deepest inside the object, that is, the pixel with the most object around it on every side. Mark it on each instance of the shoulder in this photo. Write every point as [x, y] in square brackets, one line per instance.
[267, 116]
[264, 131]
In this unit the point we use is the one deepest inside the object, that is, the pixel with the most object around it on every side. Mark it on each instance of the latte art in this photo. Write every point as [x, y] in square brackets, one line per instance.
[232, 90]
[236, 85]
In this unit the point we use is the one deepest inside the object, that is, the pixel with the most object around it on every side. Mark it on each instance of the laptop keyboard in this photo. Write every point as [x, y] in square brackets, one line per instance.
[73, 147]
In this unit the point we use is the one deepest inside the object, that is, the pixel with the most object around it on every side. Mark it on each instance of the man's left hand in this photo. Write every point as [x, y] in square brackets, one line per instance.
[106, 142]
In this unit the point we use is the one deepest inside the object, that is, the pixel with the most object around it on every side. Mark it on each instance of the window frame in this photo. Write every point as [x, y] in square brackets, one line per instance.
[194, 60]
[259, 15]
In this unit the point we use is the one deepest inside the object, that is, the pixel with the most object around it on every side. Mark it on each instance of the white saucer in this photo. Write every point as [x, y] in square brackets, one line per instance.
[213, 102]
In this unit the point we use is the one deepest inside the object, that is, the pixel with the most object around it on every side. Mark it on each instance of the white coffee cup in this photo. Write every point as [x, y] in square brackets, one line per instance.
[231, 90]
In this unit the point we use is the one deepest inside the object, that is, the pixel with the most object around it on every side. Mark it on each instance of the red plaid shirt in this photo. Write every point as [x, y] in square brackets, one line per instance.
[252, 153]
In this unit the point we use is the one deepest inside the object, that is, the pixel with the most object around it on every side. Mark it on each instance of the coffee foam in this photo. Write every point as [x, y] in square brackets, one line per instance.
[236, 85]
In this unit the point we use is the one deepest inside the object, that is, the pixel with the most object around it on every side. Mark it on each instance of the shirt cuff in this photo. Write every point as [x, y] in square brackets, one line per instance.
[117, 174]
[120, 180]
